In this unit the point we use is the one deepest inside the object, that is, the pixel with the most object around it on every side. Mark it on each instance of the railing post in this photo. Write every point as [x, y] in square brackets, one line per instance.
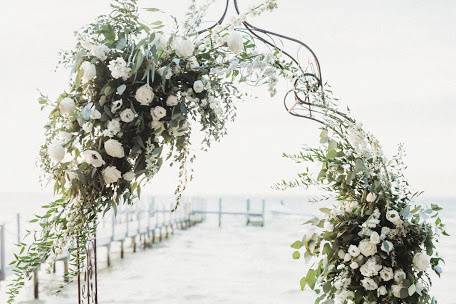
[263, 211]
[2, 252]
[113, 226]
[220, 213]
[18, 222]
[247, 222]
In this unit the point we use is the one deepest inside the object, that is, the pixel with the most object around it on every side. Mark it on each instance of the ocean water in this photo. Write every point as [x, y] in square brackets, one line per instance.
[208, 264]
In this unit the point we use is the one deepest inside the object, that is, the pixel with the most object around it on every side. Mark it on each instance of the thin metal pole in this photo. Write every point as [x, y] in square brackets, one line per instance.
[220, 213]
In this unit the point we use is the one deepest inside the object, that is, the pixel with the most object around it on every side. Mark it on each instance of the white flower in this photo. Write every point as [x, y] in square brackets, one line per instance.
[393, 217]
[370, 268]
[375, 238]
[89, 71]
[111, 175]
[95, 114]
[421, 261]
[87, 127]
[371, 197]
[348, 207]
[184, 47]
[381, 291]
[144, 95]
[155, 124]
[99, 51]
[93, 158]
[128, 176]
[172, 101]
[114, 148]
[353, 250]
[347, 257]
[198, 86]
[113, 128]
[165, 72]
[56, 151]
[385, 232]
[158, 113]
[367, 248]
[328, 226]
[369, 284]
[193, 64]
[235, 42]
[341, 254]
[387, 274]
[127, 115]
[64, 136]
[399, 275]
[116, 105]
[119, 69]
[354, 265]
[67, 105]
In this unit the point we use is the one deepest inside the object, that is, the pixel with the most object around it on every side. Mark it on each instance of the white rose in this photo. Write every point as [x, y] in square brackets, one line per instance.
[64, 137]
[114, 148]
[158, 113]
[393, 217]
[375, 238]
[347, 257]
[399, 275]
[371, 197]
[369, 284]
[127, 115]
[93, 158]
[67, 105]
[128, 176]
[119, 69]
[113, 127]
[144, 95]
[381, 291]
[235, 42]
[421, 261]
[385, 232]
[111, 175]
[354, 265]
[198, 86]
[99, 51]
[328, 226]
[387, 274]
[116, 105]
[56, 151]
[95, 114]
[184, 47]
[89, 71]
[367, 248]
[165, 72]
[172, 101]
[370, 268]
[353, 250]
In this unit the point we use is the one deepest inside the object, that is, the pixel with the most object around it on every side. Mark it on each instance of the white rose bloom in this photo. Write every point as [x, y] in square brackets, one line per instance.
[56, 151]
[381, 291]
[328, 226]
[95, 114]
[235, 42]
[369, 284]
[393, 217]
[367, 248]
[128, 176]
[165, 72]
[421, 261]
[354, 265]
[371, 197]
[399, 275]
[370, 268]
[114, 148]
[93, 158]
[99, 51]
[158, 113]
[144, 95]
[119, 69]
[353, 250]
[116, 105]
[127, 115]
[172, 101]
[198, 86]
[113, 127]
[385, 232]
[64, 136]
[184, 47]
[67, 105]
[89, 71]
[375, 237]
[387, 274]
[111, 175]
[347, 257]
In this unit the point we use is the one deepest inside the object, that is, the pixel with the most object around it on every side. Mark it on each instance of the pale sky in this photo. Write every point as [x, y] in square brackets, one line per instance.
[393, 62]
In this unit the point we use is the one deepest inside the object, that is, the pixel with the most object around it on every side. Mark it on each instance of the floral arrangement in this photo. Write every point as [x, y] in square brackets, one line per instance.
[136, 92]
[374, 245]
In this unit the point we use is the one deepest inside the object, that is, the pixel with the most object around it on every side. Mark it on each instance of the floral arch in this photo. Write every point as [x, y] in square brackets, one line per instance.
[136, 94]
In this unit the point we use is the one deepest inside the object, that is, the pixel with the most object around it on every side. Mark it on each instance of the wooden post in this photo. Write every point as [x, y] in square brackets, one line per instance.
[263, 211]
[113, 226]
[122, 252]
[2, 252]
[18, 222]
[36, 293]
[247, 214]
[66, 279]
[220, 213]
[108, 255]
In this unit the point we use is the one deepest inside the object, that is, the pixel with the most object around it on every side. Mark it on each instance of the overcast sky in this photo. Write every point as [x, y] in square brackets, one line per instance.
[393, 62]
